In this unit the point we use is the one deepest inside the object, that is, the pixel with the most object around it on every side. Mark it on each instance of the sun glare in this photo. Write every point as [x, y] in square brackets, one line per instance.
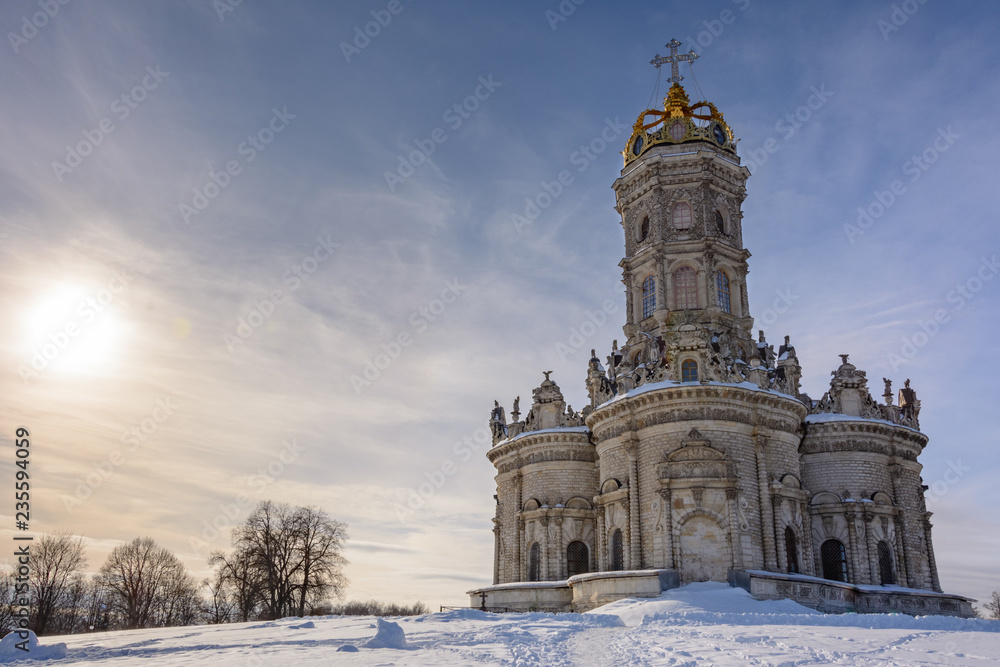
[55, 311]
[73, 330]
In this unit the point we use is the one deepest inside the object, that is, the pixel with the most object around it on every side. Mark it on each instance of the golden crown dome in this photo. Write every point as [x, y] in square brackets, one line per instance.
[678, 123]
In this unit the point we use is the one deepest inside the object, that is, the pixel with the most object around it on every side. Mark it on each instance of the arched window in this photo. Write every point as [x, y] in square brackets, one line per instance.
[577, 558]
[644, 229]
[689, 371]
[535, 562]
[834, 557]
[617, 551]
[886, 571]
[791, 551]
[720, 222]
[681, 216]
[685, 288]
[722, 287]
[648, 296]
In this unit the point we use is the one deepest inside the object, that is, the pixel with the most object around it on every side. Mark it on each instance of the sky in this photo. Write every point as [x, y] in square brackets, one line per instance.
[256, 250]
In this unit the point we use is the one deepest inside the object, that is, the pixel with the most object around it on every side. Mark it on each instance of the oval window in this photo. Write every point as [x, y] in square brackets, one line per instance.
[637, 146]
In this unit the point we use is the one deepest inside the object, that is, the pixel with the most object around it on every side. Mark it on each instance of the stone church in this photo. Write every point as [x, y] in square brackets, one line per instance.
[699, 457]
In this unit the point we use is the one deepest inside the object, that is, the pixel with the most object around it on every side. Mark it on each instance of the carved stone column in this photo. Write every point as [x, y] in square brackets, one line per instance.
[873, 567]
[558, 553]
[734, 527]
[602, 551]
[711, 291]
[905, 541]
[857, 576]
[661, 279]
[807, 543]
[668, 529]
[931, 560]
[766, 511]
[629, 289]
[668, 288]
[519, 565]
[780, 549]
[631, 443]
[902, 558]
[496, 551]
[545, 550]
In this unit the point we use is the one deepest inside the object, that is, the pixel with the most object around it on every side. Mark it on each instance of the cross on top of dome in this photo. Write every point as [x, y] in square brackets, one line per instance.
[674, 59]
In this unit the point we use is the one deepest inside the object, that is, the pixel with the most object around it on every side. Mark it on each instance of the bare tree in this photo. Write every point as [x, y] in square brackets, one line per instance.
[239, 580]
[97, 607]
[992, 606]
[220, 606]
[71, 614]
[320, 541]
[145, 584]
[6, 601]
[268, 536]
[284, 560]
[56, 562]
[178, 601]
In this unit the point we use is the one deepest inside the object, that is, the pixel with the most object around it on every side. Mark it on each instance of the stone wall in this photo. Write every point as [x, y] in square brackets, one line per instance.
[838, 598]
[579, 594]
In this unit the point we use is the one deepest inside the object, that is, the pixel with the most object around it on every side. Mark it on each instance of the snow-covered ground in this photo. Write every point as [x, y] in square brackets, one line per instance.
[698, 624]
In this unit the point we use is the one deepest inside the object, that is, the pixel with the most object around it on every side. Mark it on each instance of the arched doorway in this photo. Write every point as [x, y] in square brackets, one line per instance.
[705, 554]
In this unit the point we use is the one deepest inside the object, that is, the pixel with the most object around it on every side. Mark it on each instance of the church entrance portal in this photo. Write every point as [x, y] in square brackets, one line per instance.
[705, 552]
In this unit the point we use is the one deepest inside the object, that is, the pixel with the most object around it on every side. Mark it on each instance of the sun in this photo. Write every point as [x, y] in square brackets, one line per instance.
[73, 329]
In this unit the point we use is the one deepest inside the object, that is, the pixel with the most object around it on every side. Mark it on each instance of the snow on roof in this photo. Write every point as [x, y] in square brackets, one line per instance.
[862, 587]
[837, 417]
[558, 429]
[520, 584]
[653, 386]
[615, 574]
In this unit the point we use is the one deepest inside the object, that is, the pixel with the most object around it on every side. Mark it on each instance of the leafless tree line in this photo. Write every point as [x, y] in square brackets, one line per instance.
[286, 561]
[140, 585]
[376, 608]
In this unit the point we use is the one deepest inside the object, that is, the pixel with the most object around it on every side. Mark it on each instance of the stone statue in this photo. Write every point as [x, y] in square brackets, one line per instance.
[498, 421]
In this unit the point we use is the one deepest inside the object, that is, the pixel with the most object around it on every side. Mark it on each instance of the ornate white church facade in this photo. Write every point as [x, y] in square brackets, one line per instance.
[698, 456]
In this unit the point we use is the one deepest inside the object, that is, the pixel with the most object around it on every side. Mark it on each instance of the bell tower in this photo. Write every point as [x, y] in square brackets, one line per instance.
[679, 197]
